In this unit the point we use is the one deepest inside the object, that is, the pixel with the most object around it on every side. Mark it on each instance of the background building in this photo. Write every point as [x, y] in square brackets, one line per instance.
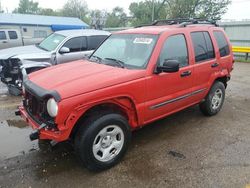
[36, 27]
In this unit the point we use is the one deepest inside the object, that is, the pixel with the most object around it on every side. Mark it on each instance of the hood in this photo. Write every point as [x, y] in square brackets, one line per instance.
[23, 52]
[81, 77]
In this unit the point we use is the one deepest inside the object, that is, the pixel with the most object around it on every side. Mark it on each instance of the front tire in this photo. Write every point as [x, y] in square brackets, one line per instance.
[214, 100]
[102, 141]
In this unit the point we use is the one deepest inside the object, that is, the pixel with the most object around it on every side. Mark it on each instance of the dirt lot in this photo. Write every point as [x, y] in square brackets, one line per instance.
[183, 150]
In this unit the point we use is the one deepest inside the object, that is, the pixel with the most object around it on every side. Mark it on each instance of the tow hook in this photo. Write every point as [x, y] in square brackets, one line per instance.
[17, 113]
[35, 135]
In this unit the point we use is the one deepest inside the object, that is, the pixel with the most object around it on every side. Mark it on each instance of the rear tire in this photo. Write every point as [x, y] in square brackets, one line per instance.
[102, 141]
[214, 100]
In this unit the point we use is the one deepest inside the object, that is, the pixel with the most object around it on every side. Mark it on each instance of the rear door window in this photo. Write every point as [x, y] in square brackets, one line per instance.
[76, 44]
[2, 35]
[203, 46]
[210, 47]
[95, 41]
[175, 48]
[222, 43]
[12, 35]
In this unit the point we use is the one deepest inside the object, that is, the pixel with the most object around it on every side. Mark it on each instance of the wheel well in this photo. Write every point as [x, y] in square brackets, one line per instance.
[101, 108]
[223, 80]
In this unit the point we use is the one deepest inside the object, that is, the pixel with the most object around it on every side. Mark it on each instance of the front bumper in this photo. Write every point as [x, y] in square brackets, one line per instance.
[41, 129]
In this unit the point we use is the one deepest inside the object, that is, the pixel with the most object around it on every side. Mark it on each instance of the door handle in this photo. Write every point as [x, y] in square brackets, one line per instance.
[5, 42]
[215, 65]
[186, 73]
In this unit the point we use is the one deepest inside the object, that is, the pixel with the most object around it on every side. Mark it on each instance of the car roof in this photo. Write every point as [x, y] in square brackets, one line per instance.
[156, 30]
[82, 32]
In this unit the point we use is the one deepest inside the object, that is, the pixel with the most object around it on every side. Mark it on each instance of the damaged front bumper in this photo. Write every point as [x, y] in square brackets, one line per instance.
[41, 130]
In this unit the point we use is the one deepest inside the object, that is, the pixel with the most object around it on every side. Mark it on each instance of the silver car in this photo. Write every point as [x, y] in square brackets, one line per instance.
[59, 47]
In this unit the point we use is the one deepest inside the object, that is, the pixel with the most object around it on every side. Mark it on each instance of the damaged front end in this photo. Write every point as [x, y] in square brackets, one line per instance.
[12, 74]
[34, 111]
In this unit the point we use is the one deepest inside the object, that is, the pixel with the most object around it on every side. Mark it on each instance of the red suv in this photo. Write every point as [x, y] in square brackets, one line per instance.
[135, 77]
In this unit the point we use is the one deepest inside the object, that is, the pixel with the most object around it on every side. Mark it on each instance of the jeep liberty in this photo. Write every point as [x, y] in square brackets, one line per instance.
[135, 77]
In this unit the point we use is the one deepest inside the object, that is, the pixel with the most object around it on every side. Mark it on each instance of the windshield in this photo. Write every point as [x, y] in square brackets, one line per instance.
[51, 42]
[127, 50]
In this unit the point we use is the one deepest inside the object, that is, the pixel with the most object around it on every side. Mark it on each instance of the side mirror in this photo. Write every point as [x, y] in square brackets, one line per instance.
[168, 66]
[64, 50]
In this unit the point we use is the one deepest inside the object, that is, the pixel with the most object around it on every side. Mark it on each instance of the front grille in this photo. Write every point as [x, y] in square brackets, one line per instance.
[36, 108]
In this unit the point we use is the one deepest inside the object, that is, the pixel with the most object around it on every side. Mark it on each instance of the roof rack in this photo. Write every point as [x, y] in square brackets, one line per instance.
[183, 22]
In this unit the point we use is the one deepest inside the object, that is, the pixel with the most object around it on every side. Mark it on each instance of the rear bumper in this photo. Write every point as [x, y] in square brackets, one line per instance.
[44, 133]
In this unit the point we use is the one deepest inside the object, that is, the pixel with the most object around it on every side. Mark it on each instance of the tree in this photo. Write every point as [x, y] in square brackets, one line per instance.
[210, 9]
[213, 9]
[48, 12]
[27, 7]
[1, 10]
[98, 18]
[75, 8]
[117, 18]
[142, 11]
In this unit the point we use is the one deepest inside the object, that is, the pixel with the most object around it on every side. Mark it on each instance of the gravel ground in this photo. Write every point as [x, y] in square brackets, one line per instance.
[182, 150]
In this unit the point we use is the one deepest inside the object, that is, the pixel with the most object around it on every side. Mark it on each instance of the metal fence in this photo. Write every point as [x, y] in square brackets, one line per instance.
[238, 32]
[239, 35]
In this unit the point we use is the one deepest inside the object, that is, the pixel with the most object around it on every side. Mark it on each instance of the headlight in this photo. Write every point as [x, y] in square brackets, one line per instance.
[52, 107]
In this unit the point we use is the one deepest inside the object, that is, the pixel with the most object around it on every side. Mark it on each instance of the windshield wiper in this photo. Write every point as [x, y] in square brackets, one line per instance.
[118, 62]
[96, 57]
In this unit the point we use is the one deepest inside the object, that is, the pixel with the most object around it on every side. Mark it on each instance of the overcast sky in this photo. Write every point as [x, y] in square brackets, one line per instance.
[239, 9]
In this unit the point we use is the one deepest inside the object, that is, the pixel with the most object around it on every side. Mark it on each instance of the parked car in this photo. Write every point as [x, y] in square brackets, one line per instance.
[59, 47]
[135, 77]
[12, 38]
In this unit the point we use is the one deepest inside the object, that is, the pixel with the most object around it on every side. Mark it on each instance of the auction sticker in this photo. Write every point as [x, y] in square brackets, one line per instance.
[143, 40]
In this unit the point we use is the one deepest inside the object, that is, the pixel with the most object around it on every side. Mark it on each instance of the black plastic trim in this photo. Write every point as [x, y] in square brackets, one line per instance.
[176, 99]
[40, 92]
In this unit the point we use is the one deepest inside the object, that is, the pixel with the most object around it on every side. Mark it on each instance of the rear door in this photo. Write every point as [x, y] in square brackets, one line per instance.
[4, 43]
[205, 63]
[78, 47]
[168, 92]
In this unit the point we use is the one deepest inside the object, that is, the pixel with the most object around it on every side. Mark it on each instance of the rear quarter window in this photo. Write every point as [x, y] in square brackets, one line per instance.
[222, 43]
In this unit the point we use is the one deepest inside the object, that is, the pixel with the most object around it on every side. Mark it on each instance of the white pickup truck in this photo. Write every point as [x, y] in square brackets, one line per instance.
[13, 38]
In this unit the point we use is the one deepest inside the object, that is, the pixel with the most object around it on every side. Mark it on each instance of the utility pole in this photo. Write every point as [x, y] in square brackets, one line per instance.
[1, 7]
[153, 11]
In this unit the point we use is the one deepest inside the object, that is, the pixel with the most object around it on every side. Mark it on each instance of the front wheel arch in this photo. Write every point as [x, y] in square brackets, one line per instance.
[127, 111]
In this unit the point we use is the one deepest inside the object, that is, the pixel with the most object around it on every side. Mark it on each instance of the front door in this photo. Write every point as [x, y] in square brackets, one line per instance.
[168, 92]
[78, 50]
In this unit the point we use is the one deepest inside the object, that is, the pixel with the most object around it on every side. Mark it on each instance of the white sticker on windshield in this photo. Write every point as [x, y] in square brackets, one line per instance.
[56, 41]
[143, 40]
